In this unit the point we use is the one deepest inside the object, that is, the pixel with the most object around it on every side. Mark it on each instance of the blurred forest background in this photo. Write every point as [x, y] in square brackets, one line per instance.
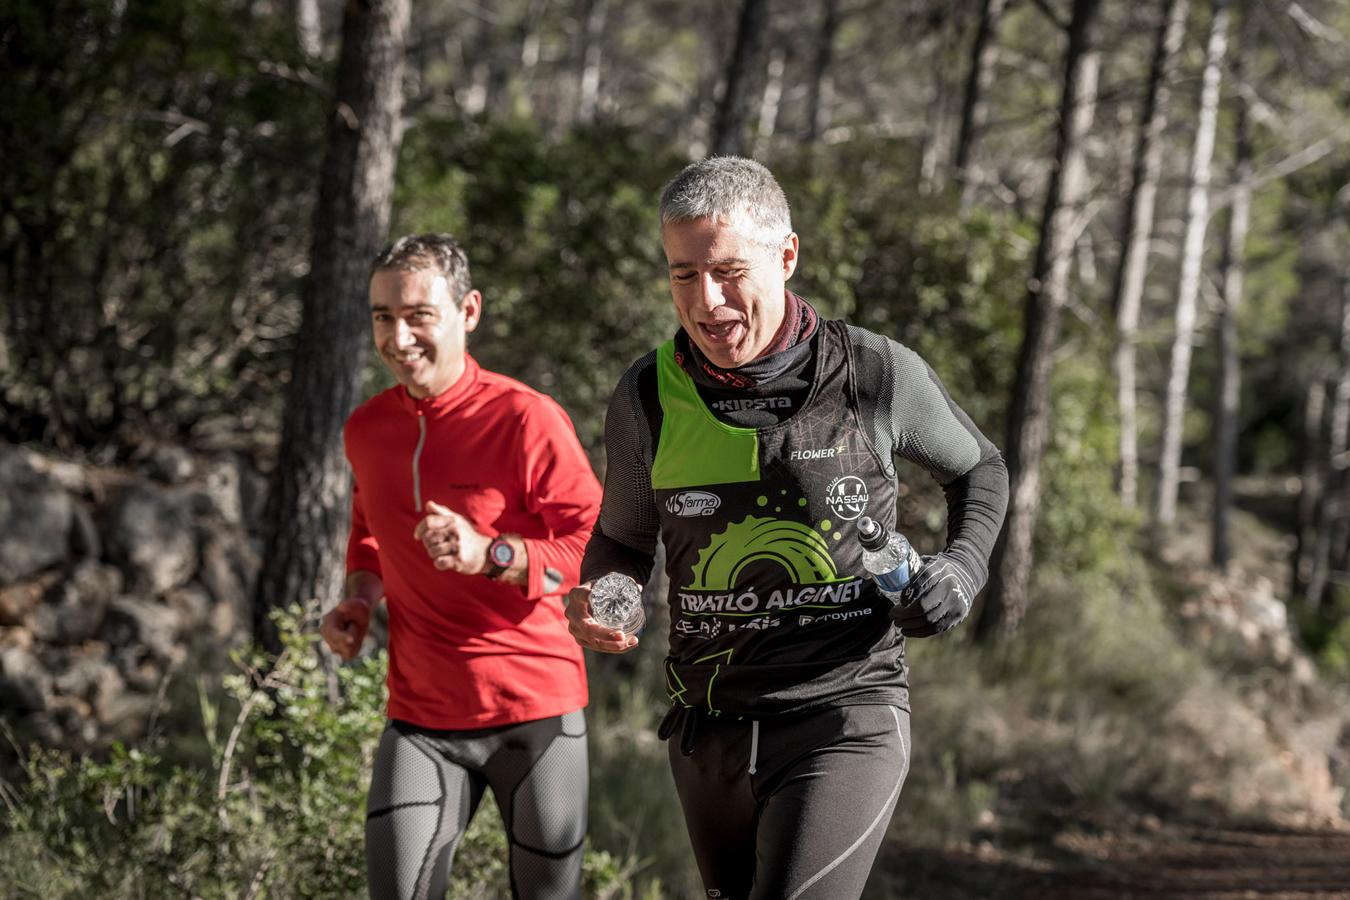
[1118, 232]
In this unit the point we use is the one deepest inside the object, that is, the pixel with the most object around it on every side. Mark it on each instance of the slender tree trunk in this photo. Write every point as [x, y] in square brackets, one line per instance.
[593, 29]
[1311, 482]
[733, 110]
[527, 35]
[1048, 290]
[308, 504]
[308, 27]
[1192, 260]
[1332, 512]
[936, 156]
[771, 99]
[937, 139]
[1230, 376]
[820, 89]
[974, 103]
[1129, 286]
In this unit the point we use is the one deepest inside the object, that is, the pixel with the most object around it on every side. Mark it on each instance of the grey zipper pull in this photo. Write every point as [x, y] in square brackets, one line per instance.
[754, 744]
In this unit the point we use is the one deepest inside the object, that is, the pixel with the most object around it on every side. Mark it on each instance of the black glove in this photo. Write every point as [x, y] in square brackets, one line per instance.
[936, 599]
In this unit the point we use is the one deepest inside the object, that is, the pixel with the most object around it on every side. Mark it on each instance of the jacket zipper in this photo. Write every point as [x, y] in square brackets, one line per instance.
[417, 459]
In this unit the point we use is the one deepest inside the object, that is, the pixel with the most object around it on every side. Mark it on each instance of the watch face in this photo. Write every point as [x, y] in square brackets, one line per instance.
[501, 553]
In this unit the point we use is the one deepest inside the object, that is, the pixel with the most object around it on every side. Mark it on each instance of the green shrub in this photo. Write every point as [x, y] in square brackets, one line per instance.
[278, 809]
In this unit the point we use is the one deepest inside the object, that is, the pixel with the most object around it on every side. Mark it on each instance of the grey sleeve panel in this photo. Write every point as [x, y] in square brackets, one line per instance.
[906, 408]
[911, 412]
[624, 538]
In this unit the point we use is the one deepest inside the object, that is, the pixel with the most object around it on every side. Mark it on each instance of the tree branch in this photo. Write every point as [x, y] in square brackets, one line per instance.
[1287, 166]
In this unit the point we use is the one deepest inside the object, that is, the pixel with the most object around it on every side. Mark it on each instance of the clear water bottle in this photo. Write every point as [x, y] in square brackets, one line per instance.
[887, 557]
[616, 602]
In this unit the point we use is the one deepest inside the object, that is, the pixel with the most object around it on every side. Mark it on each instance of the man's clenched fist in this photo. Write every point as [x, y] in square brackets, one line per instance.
[344, 626]
[451, 540]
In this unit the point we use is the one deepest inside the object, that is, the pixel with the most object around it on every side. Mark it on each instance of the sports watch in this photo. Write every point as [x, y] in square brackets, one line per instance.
[500, 555]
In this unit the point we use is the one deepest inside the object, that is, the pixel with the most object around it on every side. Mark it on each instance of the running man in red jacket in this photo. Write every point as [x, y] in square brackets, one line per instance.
[472, 504]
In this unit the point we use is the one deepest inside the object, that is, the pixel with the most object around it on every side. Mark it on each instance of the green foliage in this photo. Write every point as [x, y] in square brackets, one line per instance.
[563, 240]
[141, 244]
[877, 253]
[1328, 633]
[277, 810]
[1082, 527]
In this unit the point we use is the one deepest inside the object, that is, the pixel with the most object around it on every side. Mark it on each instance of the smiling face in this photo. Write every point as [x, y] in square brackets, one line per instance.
[419, 329]
[729, 290]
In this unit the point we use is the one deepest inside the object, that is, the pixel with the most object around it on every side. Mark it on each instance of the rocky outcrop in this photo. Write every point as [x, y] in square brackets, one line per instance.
[1242, 622]
[112, 579]
[36, 513]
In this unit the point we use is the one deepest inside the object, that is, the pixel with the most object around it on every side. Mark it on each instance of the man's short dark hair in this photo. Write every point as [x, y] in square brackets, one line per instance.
[438, 253]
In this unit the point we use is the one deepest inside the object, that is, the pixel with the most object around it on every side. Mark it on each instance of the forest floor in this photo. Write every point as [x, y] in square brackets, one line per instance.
[1163, 863]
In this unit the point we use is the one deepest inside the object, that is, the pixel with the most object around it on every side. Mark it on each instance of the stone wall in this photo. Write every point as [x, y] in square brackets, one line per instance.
[111, 579]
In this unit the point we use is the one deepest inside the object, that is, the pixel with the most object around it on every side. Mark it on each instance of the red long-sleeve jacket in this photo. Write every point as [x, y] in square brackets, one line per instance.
[466, 651]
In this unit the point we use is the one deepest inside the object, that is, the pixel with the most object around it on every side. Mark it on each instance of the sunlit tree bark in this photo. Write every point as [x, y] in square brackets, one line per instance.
[1129, 287]
[1192, 260]
[771, 99]
[308, 27]
[593, 30]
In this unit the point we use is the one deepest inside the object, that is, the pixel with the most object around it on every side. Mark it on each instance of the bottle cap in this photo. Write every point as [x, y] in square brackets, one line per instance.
[871, 534]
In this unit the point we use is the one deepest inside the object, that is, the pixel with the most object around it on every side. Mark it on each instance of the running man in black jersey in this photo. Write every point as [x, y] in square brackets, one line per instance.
[751, 443]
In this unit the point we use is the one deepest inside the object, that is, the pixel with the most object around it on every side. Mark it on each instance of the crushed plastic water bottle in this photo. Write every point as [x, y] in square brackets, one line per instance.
[616, 602]
[887, 556]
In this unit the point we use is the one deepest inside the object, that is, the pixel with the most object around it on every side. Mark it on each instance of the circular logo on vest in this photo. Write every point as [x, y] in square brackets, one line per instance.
[847, 497]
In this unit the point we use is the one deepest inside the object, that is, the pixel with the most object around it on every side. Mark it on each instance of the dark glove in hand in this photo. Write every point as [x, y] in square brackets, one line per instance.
[936, 599]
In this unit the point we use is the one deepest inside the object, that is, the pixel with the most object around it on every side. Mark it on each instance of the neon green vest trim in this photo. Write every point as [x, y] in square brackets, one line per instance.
[695, 449]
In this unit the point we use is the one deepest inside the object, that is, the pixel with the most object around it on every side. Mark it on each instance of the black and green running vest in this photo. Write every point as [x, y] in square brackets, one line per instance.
[770, 609]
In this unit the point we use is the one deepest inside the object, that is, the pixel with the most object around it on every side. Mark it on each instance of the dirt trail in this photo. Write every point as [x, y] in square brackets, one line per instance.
[1210, 864]
[1170, 864]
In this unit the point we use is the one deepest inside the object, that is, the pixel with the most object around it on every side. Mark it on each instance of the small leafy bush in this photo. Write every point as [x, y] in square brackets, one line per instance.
[278, 809]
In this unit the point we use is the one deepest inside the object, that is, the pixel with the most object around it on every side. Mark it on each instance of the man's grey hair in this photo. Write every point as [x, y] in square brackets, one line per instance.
[736, 190]
[438, 253]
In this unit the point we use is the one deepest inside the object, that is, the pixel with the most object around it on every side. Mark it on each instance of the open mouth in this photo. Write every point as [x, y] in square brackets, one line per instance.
[721, 332]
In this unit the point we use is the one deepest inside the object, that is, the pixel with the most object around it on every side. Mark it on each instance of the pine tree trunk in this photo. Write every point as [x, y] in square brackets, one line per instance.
[771, 99]
[1230, 376]
[308, 27]
[593, 29]
[1129, 287]
[308, 503]
[819, 97]
[974, 105]
[937, 139]
[935, 159]
[1332, 510]
[1188, 287]
[1311, 481]
[527, 38]
[733, 111]
[1048, 290]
